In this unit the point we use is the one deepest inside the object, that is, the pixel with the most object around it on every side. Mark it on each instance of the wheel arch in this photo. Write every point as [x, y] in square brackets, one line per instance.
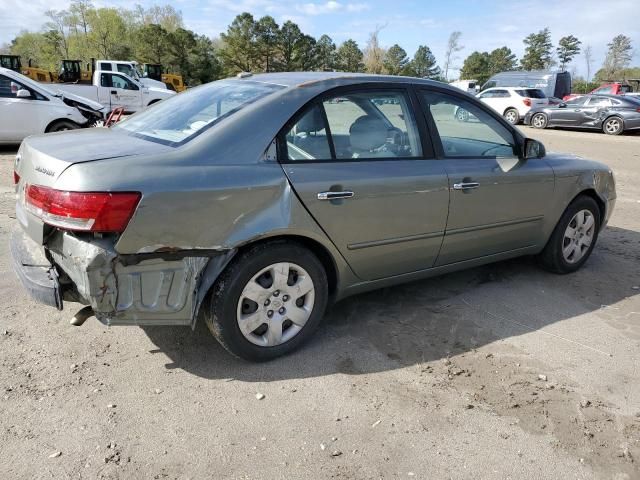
[58, 120]
[314, 246]
[602, 206]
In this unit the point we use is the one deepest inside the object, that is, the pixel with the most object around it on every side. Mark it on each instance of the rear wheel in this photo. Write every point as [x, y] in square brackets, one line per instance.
[539, 120]
[512, 116]
[613, 126]
[573, 238]
[62, 125]
[268, 301]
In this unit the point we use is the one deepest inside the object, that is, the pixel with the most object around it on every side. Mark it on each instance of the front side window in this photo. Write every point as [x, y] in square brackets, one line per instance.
[362, 125]
[9, 89]
[180, 118]
[467, 130]
[116, 81]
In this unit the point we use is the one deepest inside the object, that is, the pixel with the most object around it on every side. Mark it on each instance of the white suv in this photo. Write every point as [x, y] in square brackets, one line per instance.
[513, 103]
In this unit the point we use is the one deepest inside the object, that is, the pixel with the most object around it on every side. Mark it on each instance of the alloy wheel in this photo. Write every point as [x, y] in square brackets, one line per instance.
[539, 121]
[275, 304]
[578, 236]
[613, 126]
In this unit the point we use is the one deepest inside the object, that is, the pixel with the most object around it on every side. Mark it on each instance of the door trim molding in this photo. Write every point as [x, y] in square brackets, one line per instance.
[391, 241]
[455, 231]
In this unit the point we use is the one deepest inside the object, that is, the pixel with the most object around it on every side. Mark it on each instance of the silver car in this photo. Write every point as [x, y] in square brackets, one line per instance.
[254, 202]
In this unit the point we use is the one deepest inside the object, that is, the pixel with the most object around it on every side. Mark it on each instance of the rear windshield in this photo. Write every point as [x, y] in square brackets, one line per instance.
[531, 93]
[179, 119]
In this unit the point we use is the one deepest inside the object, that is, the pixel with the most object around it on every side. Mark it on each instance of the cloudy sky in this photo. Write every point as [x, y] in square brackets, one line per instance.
[485, 24]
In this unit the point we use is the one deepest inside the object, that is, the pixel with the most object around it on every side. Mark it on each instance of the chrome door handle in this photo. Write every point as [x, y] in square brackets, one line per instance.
[465, 186]
[334, 195]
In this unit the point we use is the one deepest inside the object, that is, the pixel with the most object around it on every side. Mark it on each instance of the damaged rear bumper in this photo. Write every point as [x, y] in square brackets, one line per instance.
[164, 288]
[38, 276]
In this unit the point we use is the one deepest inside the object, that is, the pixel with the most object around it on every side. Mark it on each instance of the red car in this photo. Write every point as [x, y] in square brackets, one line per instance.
[615, 88]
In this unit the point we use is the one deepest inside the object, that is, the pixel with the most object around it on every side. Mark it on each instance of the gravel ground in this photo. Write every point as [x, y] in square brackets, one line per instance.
[499, 372]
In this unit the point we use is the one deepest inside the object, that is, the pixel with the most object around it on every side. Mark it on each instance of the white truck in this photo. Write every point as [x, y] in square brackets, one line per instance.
[469, 86]
[114, 89]
[128, 68]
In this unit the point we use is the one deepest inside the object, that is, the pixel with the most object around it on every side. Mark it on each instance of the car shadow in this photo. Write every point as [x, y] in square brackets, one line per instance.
[426, 320]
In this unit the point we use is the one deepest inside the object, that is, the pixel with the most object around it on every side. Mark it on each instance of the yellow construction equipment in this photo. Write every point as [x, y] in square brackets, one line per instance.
[173, 81]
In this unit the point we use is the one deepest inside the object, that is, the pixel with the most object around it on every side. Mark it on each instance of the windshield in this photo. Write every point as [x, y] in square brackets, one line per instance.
[182, 117]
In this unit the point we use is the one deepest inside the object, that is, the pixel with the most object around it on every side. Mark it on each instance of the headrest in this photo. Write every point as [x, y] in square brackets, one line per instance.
[311, 122]
[367, 133]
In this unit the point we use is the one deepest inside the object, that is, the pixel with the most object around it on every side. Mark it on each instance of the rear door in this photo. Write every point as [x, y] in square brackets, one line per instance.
[592, 111]
[356, 160]
[498, 201]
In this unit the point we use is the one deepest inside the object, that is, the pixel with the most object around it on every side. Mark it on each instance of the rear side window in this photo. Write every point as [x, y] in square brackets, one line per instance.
[361, 125]
[467, 130]
[531, 93]
[105, 67]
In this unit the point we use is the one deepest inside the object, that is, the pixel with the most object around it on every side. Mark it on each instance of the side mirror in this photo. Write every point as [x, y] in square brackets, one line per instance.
[22, 93]
[562, 105]
[533, 149]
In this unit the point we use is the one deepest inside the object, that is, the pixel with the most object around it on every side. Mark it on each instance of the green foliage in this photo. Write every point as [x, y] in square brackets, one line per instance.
[618, 56]
[476, 67]
[349, 57]
[538, 51]
[568, 47]
[482, 65]
[395, 60]
[502, 60]
[326, 53]
[580, 85]
[423, 64]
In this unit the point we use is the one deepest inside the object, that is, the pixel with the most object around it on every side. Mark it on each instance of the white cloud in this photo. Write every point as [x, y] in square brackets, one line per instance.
[330, 7]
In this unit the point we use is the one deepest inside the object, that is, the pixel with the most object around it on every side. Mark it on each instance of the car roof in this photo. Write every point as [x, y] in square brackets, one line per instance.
[301, 79]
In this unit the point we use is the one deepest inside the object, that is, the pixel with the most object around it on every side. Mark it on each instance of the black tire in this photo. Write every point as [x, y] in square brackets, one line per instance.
[221, 314]
[539, 120]
[613, 126]
[512, 116]
[552, 257]
[61, 126]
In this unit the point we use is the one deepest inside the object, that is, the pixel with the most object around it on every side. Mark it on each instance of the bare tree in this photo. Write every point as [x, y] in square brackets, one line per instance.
[374, 53]
[588, 59]
[453, 46]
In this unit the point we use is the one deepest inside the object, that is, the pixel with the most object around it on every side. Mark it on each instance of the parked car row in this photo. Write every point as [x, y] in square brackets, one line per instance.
[613, 114]
[513, 103]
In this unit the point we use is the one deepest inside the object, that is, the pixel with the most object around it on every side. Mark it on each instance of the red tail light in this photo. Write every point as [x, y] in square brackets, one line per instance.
[83, 211]
[16, 177]
[527, 102]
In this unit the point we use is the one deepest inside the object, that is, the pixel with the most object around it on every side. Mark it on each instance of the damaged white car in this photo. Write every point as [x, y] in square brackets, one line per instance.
[30, 108]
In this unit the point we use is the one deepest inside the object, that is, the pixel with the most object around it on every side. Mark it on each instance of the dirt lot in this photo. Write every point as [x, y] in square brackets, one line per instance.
[499, 372]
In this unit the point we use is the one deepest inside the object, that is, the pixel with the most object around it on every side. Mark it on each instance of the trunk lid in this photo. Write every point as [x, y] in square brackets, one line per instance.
[42, 159]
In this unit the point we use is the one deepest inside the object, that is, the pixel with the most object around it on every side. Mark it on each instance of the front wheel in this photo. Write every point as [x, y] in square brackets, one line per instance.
[62, 125]
[539, 120]
[512, 116]
[613, 126]
[574, 237]
[268, 301]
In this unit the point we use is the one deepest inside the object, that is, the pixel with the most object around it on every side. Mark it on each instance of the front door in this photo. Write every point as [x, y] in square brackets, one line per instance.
[120, 91]
[498, 201]
[357, 162]
[21, 117]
